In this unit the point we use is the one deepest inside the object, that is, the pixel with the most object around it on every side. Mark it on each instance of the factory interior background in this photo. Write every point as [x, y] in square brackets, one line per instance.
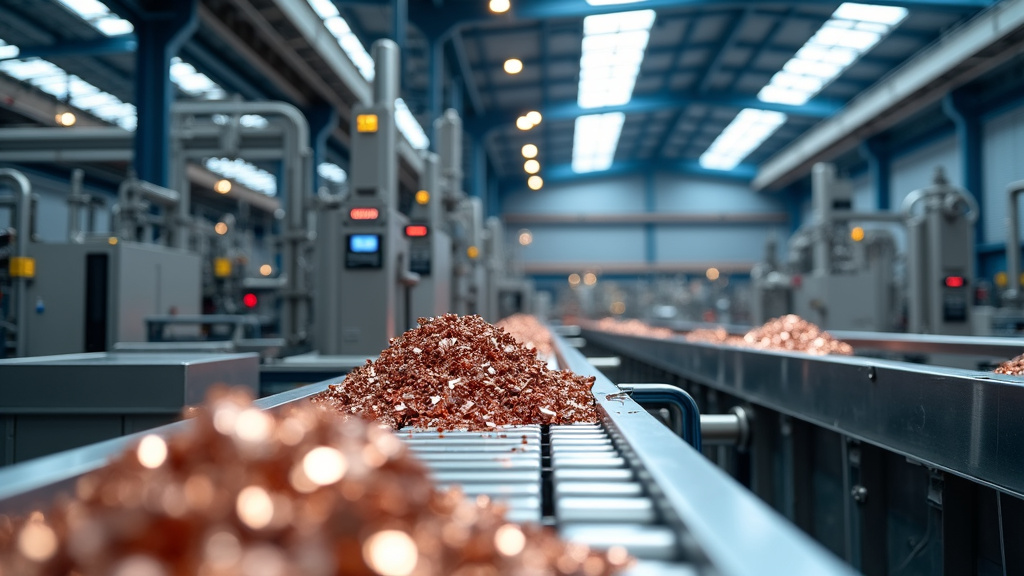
[784, 235]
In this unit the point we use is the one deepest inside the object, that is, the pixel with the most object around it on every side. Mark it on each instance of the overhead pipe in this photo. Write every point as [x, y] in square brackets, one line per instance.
[22, 219]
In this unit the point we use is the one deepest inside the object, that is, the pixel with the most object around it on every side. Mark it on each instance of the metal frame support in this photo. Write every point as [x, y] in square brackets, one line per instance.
[161, 34]
[435, 87]
[650, 206]
[676, 399]
[399, 25]
[322, 118]
[959, 106]
[21, 218]
[876, 152]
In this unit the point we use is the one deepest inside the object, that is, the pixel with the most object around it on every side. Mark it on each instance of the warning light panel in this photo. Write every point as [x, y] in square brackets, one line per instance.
[364, 213]
[250, 300]
[416, 231]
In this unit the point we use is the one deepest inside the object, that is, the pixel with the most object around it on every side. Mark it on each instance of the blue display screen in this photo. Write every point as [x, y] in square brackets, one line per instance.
[364, 243]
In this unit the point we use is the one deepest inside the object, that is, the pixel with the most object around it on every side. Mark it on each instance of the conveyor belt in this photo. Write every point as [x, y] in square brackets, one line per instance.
[960, 421]
[627, 480]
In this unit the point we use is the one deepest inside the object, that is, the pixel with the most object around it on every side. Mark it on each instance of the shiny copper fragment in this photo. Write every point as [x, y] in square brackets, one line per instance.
[633, 327]
[1013, 367]
[717, 335]
[530, 331]
[459, 372]
[793, 333]
[300, 492]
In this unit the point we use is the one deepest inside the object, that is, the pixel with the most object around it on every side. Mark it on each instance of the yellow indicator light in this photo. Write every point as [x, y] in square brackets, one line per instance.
[112, 240]
[422, 197]
[222, 267]
[530, 151]
[499, 6]
[22, 267]
[535, 182]
[472, 252]
[574, 280]
[712, 274]
[266, 270]
[531, 166]
[513, 66]
[366, 123]
[1020, 280]
[222, 186]
[590, 278]
[221, 228]
[857, 234]
[1001, 279]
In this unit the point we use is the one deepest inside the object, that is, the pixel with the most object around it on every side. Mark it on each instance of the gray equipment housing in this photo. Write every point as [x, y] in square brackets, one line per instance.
[54, 403]
[89, 296]
[430, 256]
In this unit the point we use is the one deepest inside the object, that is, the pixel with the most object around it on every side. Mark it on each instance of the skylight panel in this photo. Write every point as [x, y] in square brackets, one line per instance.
[356, 52]
[852, 31]
[193, 82]
[99, 16]
[244, 173]
[613, 50]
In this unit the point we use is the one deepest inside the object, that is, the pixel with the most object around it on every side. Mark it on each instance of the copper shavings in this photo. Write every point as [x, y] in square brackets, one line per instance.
[793, 333]
[1012, 367]
[633, 327]
[300, 492]
[530, 331]
[483, 376]
[717, 335]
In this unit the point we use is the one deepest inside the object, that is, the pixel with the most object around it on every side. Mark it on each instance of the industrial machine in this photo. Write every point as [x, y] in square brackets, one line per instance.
[843, 276]
[507, 290]
[627, 480]
[430, 245]
[363, 290]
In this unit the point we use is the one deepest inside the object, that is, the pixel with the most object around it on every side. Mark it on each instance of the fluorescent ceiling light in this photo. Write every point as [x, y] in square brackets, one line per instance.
[613, 50]
[244, 173]
[594, 142]
[742, 136]
[99, 16]
[852, 31]
[353, 48]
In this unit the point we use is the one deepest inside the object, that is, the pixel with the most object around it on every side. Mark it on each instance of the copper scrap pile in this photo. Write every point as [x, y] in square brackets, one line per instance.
[528, 330]
[793, 333]
[1013, 367]
[633, 327]
[302, 492]
[714, 336]
[459, 372]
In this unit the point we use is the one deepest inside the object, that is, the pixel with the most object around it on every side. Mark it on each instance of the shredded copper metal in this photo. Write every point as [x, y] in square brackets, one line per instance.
[1013, 367]
[717, 335]
[793, 333]
[530, 332]
[459, 372]
[298, 492]
[633, 327]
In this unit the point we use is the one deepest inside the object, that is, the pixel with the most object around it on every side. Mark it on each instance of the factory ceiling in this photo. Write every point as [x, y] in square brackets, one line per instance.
[669, 77]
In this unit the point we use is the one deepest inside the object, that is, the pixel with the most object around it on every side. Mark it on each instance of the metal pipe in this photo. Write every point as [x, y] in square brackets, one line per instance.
[22, 221]
[76, 201]
[1013, 191]
[385, 80]
[732, 429]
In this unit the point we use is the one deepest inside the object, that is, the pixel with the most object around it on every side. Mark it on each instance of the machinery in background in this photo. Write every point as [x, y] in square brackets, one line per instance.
[508, 291]
[364, 282]
[430, 245]
[16, 266]
[845, 277]
[1007, 318]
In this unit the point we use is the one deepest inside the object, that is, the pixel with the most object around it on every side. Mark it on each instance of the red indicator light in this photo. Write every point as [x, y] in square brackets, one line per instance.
[955, 281]
[416, 231]
[364, 213]
[249, 300]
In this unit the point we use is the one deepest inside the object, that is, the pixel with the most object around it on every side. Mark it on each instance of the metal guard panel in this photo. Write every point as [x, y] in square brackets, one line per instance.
[964, 422]
[739, 534]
